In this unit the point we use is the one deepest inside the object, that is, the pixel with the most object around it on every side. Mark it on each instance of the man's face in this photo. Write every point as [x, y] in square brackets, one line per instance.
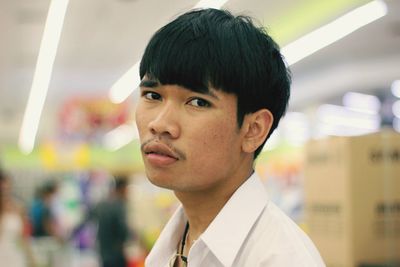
[190, 141]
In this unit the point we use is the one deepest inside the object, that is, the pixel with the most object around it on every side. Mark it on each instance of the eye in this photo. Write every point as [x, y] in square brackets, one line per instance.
[199, 102]
[151, 95]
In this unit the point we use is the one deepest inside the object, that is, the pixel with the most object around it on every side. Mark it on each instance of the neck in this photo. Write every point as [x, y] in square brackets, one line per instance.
[201, 215]
[202, 207]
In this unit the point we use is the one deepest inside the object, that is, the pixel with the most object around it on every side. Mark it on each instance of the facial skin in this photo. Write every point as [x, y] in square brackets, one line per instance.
[200, 131]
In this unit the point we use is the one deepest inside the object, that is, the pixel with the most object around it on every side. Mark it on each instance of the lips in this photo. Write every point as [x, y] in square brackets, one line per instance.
[159, 149]
[159, 154]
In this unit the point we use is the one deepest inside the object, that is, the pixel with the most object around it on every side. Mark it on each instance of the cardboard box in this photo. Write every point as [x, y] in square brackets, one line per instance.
[352, 199]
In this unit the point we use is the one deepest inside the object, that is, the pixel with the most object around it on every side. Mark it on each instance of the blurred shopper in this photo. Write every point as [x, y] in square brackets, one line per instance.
[46, 238]
[42, 213]
[213, 89]
[15, 248]
[113, 231]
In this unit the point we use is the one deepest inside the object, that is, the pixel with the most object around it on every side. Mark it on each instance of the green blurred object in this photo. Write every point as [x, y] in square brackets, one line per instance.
[127, 158]
[306, 16]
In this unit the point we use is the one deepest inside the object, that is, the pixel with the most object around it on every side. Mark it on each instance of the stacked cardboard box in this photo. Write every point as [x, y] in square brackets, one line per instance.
[352, 199]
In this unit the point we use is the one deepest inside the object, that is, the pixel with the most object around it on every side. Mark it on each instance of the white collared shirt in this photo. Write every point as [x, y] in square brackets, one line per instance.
[248, 231]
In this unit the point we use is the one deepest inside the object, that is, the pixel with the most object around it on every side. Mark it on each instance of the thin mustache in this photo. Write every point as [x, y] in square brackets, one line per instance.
[180, 154]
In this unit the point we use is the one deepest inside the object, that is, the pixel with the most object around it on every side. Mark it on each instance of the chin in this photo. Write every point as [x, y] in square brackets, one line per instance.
[159, 180]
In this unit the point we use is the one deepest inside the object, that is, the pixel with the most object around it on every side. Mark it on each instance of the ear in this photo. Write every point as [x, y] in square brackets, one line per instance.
[256, 127]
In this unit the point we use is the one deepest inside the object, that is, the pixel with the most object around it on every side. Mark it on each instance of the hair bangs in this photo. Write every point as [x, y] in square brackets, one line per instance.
[177, 56]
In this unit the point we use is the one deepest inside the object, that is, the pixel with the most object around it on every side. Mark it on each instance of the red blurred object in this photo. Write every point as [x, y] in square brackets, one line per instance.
[139, 262]
[83, 117]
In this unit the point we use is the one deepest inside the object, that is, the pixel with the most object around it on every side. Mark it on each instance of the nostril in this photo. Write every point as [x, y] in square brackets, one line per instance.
[153, 131]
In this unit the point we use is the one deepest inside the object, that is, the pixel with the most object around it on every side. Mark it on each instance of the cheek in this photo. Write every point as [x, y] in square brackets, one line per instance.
[214, 145]
[140, 119]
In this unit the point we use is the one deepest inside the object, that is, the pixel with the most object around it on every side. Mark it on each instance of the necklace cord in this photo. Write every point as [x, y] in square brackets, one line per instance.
[183, 242]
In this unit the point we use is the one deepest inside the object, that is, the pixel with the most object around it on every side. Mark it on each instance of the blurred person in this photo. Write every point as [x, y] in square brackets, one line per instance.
[42, 213]
[112, 226]
[213, 89]
[15, 248]
[47, 242]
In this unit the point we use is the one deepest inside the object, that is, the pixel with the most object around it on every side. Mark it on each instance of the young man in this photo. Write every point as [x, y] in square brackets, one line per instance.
[213, 89]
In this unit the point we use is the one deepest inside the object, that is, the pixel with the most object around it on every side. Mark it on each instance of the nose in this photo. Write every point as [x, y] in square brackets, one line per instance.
[165, 123]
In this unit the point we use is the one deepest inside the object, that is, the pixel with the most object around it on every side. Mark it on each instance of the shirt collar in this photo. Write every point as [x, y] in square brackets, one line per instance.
[167, 243]
[227, 232]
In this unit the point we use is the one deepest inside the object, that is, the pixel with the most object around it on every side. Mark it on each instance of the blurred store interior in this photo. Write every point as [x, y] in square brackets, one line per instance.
[67, 103]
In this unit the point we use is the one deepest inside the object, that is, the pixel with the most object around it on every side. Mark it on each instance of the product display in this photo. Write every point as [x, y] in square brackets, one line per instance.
[352, 199]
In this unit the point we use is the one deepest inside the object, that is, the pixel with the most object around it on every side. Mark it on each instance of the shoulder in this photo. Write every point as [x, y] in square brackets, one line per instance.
[276, 240]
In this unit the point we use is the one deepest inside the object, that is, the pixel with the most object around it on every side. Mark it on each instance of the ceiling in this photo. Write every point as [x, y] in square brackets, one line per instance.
[102, 39]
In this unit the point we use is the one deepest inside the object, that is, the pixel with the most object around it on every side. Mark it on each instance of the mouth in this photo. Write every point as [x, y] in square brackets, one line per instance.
[159, 154]
[159, 149]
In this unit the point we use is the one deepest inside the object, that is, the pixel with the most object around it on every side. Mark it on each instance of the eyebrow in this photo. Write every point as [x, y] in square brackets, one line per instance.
[155, 83]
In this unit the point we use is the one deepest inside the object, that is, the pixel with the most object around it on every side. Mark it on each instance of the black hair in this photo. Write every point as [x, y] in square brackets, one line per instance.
[121, 182]
[4, 177]
[48, 188]
[211, 48]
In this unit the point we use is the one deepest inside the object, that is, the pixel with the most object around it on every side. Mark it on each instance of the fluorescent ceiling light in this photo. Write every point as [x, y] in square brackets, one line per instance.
[42, 75]
[342, 121]
[131, 80]
[339, 117]
[396, 109]
[324, 130]
[210, 4]
[120, 136]
[125, 85]
[395, 88]
[362, 102]
[332, 32]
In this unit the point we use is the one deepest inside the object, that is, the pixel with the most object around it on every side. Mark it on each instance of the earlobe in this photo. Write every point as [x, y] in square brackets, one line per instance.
[258, 125]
